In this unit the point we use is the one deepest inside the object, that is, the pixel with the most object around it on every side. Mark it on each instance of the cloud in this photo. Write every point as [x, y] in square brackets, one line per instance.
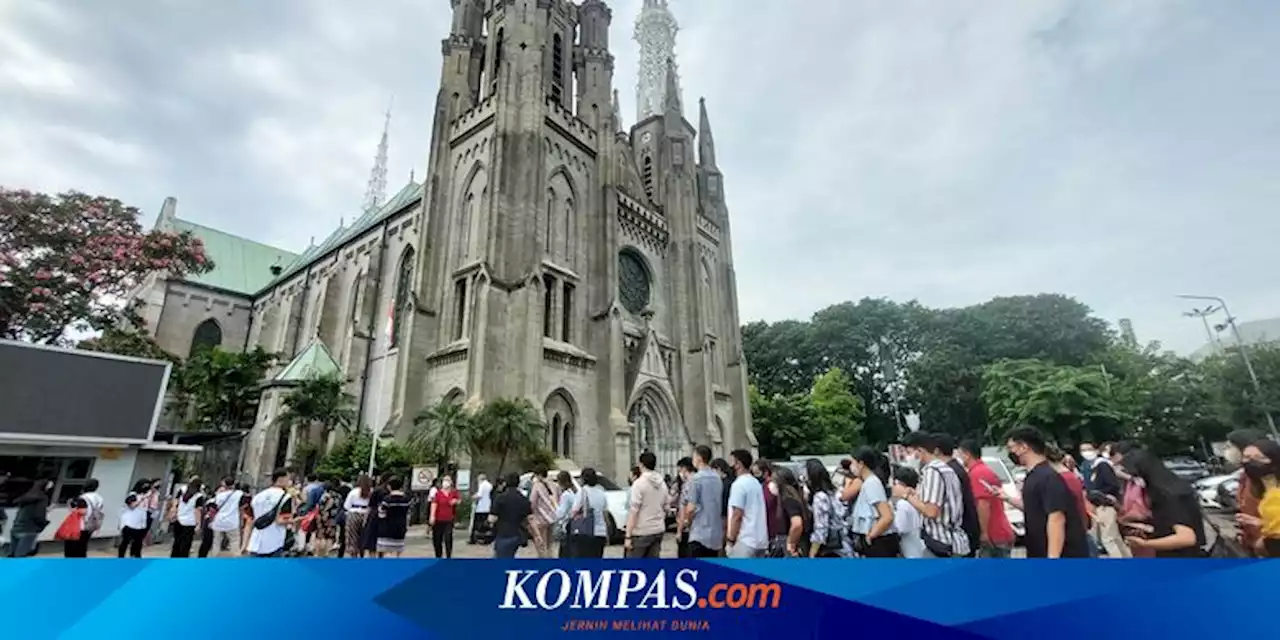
[1122, 151]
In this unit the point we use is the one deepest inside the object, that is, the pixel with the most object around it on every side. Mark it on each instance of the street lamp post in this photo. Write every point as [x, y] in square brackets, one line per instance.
[1244, 355]
[1203, 314]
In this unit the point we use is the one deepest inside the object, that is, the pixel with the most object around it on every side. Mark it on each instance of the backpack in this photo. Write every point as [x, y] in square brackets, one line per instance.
[834, 540]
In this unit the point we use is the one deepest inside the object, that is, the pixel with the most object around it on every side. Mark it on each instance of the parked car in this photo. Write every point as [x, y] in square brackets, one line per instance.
[1207, 489]
[615, 517]
[1187, 469]
[1227, 492]
[1009, 484]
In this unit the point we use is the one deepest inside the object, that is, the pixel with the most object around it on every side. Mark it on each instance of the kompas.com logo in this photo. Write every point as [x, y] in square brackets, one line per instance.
[631, 589]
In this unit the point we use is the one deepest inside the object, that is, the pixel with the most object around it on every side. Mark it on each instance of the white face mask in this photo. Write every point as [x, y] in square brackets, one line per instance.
[446, 485]
[1089, 455]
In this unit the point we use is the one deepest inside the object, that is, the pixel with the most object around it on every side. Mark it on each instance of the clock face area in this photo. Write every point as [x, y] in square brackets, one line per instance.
[647, 137]
[633, 281]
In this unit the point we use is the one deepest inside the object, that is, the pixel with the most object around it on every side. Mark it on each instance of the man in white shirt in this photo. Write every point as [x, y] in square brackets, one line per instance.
[748, 535]
[271, 541]
[481, 504]
[225, 522]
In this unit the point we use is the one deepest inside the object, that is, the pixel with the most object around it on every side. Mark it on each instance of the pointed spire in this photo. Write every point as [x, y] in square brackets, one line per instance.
[671, 95]
[706, 143]
[617, 112]
[376, 192]
[656, 32]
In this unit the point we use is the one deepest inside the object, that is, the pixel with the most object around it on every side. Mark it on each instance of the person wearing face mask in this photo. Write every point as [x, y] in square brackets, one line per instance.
[444, 507]
[1262, 467]
[776, 524]
[748, 534]
[1246, 494]
[1054, 523]
[1105, 494]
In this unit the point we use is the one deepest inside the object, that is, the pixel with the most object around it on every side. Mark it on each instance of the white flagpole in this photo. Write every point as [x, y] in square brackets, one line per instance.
[375, 430]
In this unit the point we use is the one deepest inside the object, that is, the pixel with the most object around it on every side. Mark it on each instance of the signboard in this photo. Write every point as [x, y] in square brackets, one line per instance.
[463, 481]
[422, 478]
[79, 395]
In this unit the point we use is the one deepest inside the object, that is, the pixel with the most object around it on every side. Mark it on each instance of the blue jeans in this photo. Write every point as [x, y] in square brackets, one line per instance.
[22, 545]
[506, 547]
[989, 550]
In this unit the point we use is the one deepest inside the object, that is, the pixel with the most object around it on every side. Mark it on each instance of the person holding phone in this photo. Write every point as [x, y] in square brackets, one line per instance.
[997, 537]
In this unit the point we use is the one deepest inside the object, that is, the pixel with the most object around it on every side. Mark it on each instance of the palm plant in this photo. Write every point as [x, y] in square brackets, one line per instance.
[441, 431]
[320, 401]
[509, 426]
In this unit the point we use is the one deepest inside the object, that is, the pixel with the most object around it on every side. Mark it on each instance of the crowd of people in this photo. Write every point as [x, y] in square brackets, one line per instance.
[943, 501]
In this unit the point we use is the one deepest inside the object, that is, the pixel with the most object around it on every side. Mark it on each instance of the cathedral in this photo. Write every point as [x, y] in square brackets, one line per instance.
[550, 253]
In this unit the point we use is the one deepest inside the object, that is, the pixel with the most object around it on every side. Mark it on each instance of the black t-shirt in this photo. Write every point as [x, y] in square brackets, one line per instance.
[1044, 492]
[1181, 510]
[1105, 479]
[393, 516]
[792, 507]
[969, 519]
[511, 509]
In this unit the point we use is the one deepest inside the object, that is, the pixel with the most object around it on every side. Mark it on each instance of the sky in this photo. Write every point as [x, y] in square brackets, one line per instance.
[1119, 151]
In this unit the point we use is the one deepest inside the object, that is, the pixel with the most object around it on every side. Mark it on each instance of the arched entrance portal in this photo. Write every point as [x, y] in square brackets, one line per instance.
[654, 428]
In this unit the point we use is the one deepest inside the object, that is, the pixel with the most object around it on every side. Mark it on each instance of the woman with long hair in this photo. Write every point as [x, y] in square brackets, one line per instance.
[188, 516]
[1177, 525]
[725, 471]
[1262, 466]
[795, 512]
[392, 519]
[828, 539]
[326, 523]
[357, 510]
[369, 539]
[775, 522]
[871, 519]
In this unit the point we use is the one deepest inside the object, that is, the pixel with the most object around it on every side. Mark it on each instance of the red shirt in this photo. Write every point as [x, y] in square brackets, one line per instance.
[1076, 486]
[999, 531]
[445, 506]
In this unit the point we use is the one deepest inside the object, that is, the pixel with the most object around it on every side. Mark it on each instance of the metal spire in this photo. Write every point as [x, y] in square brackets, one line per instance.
[656, 32]
[376, 193]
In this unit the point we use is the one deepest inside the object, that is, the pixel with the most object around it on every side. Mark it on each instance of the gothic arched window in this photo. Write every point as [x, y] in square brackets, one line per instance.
[404, 293]
[551, 225]
[555, 435]
[208, 335]
[357, 295]
[465, 217]
[566, 432]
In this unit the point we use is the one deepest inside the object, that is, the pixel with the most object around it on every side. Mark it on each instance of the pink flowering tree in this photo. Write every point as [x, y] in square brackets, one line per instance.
[69, 262]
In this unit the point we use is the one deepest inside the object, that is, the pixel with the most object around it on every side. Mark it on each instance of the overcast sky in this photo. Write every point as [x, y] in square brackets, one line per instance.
[1120, 151]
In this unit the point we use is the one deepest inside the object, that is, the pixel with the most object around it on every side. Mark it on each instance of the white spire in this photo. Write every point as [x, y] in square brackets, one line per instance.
[376, 193]
[656, 32]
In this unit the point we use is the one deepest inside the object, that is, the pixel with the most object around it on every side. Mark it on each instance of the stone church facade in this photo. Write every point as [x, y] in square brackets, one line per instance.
[549, 254]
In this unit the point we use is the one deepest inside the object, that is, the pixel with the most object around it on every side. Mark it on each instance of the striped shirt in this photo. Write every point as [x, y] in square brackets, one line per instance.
[940, 486]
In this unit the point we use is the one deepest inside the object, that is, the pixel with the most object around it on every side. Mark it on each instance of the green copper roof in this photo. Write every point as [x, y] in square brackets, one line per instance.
[314, 361]
[410, 194]
[240, 266]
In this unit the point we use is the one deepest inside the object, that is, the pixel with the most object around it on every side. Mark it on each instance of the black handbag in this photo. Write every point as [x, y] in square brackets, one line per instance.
[267, 519]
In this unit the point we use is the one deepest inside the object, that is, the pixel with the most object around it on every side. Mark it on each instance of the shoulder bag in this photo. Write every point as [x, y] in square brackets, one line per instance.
[269, 518]
[935, 546]
[584, 524]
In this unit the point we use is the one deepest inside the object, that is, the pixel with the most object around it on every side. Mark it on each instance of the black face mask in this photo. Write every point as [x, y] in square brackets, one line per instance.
[1256, 469]
[1013, 457]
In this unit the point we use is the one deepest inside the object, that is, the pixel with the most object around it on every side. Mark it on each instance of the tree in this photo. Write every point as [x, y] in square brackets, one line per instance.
[837, 412]
[350, 458]
[221, 389]
[125, 341]
[1069, 403]
[508, 426]
[320, 401]
[442, 431]
[68, 262]
[784, 424]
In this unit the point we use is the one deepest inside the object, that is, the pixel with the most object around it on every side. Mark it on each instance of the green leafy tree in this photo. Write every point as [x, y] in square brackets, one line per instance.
[67, 262]
[320, 402]
[126, 341]
[837, 412]
[221, 389]
[509, 427]
[1069, 403]
[442, 431]
[785, 425]
[1233, 396]
[350, 457]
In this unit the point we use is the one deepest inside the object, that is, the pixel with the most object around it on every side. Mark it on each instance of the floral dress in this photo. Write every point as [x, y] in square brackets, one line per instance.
[327, 511]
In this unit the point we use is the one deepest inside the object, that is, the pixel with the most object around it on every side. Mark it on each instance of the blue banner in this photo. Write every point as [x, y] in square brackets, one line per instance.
[777, 599]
